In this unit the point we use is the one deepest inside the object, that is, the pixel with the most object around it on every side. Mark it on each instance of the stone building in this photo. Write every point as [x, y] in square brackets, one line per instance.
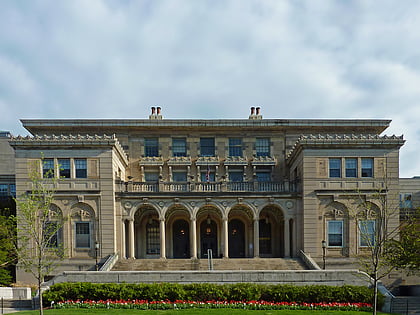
[246, 188]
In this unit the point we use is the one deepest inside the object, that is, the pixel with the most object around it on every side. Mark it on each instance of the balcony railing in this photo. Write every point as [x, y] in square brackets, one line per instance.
[198, 187]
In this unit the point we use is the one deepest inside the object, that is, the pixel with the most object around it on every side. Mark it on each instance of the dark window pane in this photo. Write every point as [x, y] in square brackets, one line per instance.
[81, 168]
[151, 147]
[207, 147]
[262, 147]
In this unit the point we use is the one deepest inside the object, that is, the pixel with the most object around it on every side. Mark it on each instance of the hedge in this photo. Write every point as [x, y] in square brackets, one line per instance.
[201, 292]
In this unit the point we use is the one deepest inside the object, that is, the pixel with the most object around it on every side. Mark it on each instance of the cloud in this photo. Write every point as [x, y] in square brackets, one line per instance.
[212, 59]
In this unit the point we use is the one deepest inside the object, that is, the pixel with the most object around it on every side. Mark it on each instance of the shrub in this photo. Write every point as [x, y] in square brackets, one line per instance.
[201, 292]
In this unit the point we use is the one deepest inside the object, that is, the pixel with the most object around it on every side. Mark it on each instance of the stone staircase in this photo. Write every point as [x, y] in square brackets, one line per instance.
[202, 264]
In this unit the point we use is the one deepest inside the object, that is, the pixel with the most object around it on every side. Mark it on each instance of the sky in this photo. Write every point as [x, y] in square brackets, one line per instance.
[209, 59]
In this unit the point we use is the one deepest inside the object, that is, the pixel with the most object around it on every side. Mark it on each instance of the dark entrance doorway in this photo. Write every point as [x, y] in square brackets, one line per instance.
[181, 239]
[208, 237]
[265, 238]
[236, 239]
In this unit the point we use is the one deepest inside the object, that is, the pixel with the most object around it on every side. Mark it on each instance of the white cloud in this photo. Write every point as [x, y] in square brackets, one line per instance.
[213, 59]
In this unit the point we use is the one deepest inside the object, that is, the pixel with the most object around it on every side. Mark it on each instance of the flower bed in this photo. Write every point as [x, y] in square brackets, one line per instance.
[249, 305]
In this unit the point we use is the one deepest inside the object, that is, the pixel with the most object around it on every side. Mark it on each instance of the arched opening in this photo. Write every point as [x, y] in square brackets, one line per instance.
[271, 232]
[146, 233]
[181, 239]
[208, 237]
[236, 239]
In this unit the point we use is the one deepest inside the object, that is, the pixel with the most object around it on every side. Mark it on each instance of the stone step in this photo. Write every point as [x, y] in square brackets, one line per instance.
[202, 264]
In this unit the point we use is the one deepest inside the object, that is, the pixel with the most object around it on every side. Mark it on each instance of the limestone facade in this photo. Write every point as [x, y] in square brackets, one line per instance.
[158, 188]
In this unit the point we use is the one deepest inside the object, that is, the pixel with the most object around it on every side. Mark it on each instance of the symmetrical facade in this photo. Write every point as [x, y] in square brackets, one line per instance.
[162, 189]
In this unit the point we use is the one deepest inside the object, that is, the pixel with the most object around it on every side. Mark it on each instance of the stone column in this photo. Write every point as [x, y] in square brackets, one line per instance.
[286, 238]
[124, 240]
[162, 239]
[131, 237]
[226, 238]
[193, 251]
[256, 238]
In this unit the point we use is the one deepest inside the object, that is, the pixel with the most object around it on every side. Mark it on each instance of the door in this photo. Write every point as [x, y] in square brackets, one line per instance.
[265, 238]
[181, 239]
[236, 239]
[208, 237]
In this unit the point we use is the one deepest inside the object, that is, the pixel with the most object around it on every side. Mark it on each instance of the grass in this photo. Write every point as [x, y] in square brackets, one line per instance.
[190, 312]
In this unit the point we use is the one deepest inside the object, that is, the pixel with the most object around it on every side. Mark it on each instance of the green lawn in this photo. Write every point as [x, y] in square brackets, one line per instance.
[191, 312]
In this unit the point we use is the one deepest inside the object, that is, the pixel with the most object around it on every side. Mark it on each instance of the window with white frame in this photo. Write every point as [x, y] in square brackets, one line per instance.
[48, 168]
[335, 233]
[151, 147]
[52, 234]
[64, 165]
[367, 233]
[335, 167]
[351, 167]
[80, 166]
[83, 234]
[367, 167]
[262, 147]
[235, 147]
[179, 147]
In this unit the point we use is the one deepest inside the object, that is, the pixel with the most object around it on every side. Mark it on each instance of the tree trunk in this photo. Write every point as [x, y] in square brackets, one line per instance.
[41, 311]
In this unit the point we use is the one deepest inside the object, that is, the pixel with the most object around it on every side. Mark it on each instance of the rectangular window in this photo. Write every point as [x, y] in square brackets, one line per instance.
[13, 190]
[81, 168]
[52, 234]
[263, 176]
[179, 176]
[151, 176]
[152, 238]
[207, 147]
[367, 167]
[235, 147]
[82, 235]
[236, 176]
[335, 233]
[48, 168]
[151, 147]
[335, 167]
[64, 165]
[179, 147]
[351, 167]
[207, 176]
[367, 233]
[262, 147]
[406, 201]
[4, 190]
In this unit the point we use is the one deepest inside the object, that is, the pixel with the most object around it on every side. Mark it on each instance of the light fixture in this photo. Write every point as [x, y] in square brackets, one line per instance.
[208, 231]
[324, 248]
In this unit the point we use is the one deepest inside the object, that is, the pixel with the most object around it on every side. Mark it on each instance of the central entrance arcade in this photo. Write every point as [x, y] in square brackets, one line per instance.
[183, 232]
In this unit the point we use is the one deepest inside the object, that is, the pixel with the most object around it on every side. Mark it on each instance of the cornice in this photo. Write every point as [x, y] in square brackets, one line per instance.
[344, 140]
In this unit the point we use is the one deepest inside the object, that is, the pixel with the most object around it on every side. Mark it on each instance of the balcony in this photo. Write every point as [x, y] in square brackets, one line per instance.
[216, 187]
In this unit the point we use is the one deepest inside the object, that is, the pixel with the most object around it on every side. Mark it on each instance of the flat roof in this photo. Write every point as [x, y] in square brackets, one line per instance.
[36, 125]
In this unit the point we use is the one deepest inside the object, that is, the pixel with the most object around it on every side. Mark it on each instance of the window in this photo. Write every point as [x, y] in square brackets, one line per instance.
[52, 234]
[235, 147]
[64, 165]
[207, 147]
[236, 176]
[13, 190]
[179, 147]
[367, 167]
[351, 167]
[48, 168]
[151, 147]
[367, 233]
[179, 176]
[152, 238]
[262, 147]
[4, 190]
[406, 201]
[263, 176]
[335, 233]
[151, 176]
[207, 176]
[82, 235]
[81, 168]
[335, 167]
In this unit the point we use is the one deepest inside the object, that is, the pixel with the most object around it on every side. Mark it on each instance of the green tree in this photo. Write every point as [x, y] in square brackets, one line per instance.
[39, 223]
[404, 253]
[8, 255]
